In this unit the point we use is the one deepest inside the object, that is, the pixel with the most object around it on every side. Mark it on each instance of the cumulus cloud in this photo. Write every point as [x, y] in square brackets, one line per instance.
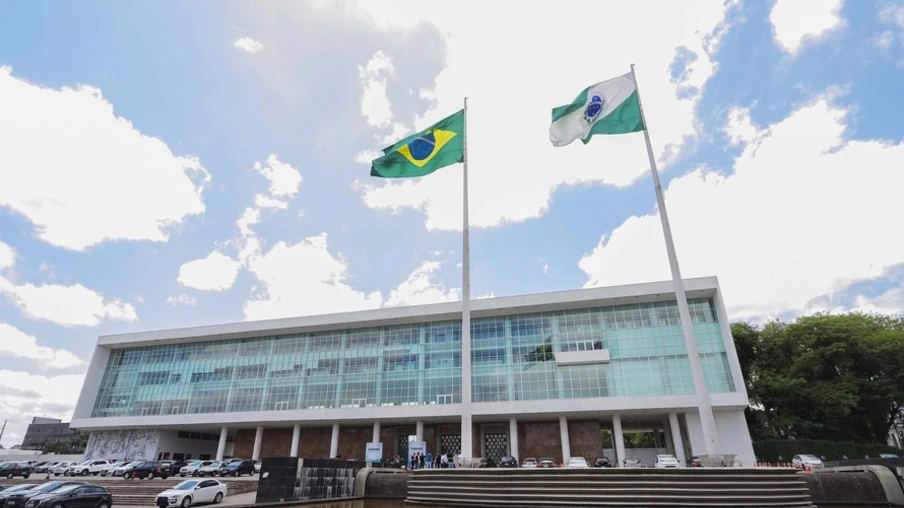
[248, 45]
[182, 299]
[374, 103]
[84, 175]
[284, 183]
[18, 344]
[800, 217]
[421, 288]
[73, 305]
[216, 272]
[797, 21]
[514, 170]
[27, 394]
[7, 256]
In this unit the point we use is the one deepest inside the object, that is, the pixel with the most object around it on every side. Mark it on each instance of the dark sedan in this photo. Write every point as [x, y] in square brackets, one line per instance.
[8, 491]
[73, 496]
[13, 469]
[602, 462]
[18, 499]
[487, 462]
[238, 468]
[508, 462]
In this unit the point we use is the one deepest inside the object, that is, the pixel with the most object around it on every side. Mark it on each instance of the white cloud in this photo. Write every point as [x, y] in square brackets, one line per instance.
[374, 103]
[420, 288]
[885, 39]
[739, 128]
[889, 302]
[797, 21]
[804, 214]
[891, 15]
[73, 305]
[27, 394]
[304, 279]
[7, 256]
[216, 272]
[513, 85]
[284, 183]
[182, 299]
[18, 344]
[248, 45]
[84, 175]
[545, 268]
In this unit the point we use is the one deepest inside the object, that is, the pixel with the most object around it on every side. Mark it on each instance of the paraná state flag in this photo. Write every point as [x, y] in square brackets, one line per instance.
[609, 107]
[420, 154]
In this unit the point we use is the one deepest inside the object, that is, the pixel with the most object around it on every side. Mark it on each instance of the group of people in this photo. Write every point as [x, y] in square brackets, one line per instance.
[427, 460]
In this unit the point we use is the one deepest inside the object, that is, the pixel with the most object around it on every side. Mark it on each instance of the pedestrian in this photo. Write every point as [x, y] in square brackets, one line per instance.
[428, 459]
[451, 460]
[444, 461]
[421, 459]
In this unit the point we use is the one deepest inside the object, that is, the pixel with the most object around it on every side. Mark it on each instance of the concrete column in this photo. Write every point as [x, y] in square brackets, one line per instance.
[419, 431]
[376, 432]
[667, 431]
[619, 437]
[258, 437]
[221, 446]
[467, 434]
[513, 437]
[296, 437]
[566, 444]
[334, 441]
[675, 427]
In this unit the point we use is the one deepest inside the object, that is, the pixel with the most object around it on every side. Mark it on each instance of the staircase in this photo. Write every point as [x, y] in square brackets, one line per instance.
[685, 487]
[137, 492]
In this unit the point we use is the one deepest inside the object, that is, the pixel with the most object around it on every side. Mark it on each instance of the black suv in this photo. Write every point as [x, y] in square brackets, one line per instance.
[508, 462]
[238, 468]
[13, 469]
[150, 469]
[602, 462]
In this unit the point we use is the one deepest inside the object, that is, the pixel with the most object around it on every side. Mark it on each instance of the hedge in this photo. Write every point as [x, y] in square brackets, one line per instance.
[768, 450]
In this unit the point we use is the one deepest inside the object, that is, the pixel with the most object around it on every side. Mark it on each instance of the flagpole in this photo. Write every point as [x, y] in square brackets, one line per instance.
[466, 426]
[707, 420]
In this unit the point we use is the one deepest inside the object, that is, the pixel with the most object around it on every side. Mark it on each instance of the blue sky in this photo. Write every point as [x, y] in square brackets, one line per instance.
[171, 164]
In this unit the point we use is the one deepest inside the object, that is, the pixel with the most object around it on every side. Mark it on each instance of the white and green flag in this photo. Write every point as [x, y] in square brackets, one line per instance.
[610, 107]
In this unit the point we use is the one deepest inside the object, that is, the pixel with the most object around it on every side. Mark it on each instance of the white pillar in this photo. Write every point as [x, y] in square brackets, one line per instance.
[467, 432]
[566, 443]
[619, 438]
[334, 441]
[376, 432]
[513, 437]
[296, 437]
[419, 431]
[258, 437]
[221, 446]
[674, 426]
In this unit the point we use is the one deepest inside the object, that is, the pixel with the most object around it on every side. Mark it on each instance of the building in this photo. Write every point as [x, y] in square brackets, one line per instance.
[42, 430]
[573, 373]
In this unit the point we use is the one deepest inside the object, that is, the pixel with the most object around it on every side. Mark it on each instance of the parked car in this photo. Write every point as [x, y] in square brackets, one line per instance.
[238, 468]
[632, 462]
[12, 490]
[665, 460]
[73, 496]
[191, 467]
[486, 462]
[46, 466]
[508, 462]
[11, 470]
[577, 463]
[62, 468]
[123, 469]
[210, 469]
[150, 469]
[693, 462]
[546, 462]
[529, 463]
[602, 462]
[19, 499]
[191, 492]
[108, 471]
[40, 467]
[88, 467]
[806, 460]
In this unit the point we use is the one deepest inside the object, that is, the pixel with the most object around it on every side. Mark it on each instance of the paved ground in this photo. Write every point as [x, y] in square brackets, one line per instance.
[238, 499]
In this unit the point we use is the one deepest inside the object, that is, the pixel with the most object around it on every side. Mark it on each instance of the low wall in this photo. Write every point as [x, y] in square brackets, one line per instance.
[38, 456]
[383, 483]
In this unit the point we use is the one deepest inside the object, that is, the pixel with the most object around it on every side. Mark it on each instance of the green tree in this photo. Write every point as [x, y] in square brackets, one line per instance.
[82, 439]
[57, 446]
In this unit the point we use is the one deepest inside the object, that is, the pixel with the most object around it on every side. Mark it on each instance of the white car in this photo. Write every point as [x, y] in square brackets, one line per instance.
[257, 467]
[88, 467]
[109, 469]
[123, 469]
[806, 461]
[61, 468]
[191, 492]
[211, 469]
[577, 463]
[191, 468]
[529, 463]
[664, 461]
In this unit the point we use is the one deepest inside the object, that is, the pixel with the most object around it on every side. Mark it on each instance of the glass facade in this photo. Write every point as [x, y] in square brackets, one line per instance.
[420, 364]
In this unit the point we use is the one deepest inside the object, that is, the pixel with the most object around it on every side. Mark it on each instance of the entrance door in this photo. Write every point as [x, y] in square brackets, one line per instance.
[496, 445]
[450, 443]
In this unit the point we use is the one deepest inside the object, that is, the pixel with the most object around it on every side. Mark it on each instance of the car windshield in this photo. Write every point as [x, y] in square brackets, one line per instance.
[193, 463]
[187, 485]
[47, 487]
[234, 463]
[19, 488]
[809, 457]
[216, 464]
[665, 457]
[66, 488]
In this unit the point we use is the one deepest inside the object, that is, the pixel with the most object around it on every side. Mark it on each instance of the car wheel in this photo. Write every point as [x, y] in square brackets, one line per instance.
[9, 476]
[26, 475]
[58, 505]
[218, 498]
[151, 475]
[84, 472]
[164, 477]
[194, 474]
[236, 474]
[103, 505]
[186, 502]
[127, 476]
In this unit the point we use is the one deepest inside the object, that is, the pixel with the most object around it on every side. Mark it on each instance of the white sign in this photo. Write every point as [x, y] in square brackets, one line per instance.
[416, 447]
[373, 452]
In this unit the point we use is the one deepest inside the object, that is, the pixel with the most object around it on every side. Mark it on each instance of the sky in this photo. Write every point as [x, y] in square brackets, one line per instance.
[170, 164]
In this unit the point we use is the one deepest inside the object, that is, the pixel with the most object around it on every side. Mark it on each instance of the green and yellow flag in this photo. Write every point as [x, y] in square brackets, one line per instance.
[420, 154]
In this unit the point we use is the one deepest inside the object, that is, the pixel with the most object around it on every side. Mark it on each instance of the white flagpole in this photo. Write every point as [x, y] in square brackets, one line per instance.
[466, 427]
[707, 420]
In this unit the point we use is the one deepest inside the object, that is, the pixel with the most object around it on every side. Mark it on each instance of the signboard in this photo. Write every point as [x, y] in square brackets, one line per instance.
[373, 452]
[416, 447]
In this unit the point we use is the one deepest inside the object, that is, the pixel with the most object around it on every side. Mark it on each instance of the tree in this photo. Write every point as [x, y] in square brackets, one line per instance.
[834, 377]
[58, 446]
[82, 439]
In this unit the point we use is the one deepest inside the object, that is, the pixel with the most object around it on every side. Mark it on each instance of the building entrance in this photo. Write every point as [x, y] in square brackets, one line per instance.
[450, 443]
[496, 445]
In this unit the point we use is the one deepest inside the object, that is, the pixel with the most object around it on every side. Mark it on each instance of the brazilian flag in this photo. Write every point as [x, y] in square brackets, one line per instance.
[420, 154]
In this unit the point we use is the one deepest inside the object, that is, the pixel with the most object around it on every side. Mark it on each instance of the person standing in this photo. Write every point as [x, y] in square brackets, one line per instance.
[444, 461]
[428, 460]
